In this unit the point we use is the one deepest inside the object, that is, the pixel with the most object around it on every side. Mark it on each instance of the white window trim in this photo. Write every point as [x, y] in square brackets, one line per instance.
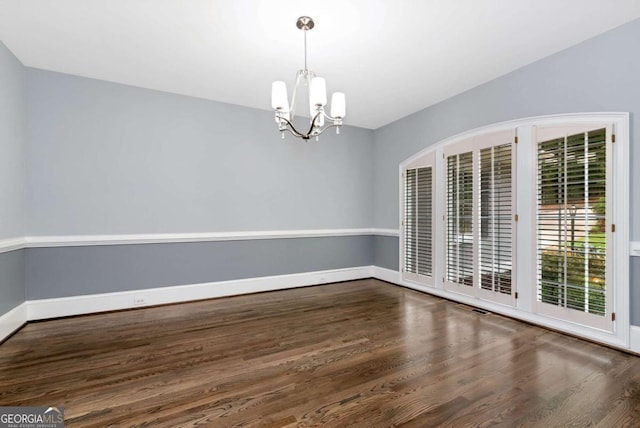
[526, 170]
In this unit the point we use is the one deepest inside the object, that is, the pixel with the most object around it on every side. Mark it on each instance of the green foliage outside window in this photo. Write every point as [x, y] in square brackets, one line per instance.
[579, 281]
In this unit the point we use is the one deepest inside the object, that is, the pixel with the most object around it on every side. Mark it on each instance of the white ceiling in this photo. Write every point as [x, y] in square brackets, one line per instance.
[391, 57]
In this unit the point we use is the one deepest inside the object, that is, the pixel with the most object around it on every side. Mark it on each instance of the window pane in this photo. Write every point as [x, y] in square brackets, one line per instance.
[571, 221]
[424, 233]
[410, 220]
[460, 218]
[495, 218]
[418, 237]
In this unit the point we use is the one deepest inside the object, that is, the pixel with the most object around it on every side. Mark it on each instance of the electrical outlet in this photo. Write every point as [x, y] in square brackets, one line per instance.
[139, 301]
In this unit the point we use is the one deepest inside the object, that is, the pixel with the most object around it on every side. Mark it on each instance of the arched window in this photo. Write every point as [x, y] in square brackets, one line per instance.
[524, 218]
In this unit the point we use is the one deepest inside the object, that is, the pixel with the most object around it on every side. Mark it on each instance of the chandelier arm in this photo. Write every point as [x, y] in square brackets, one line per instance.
[293, 129]
[325, 128]
[335, 123]
[313, 123]
[293, 132]
[333, 119]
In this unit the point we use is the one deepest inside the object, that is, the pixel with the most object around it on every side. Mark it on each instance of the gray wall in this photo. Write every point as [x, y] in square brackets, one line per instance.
[12, 146]
[73, 271]
[600, 74]
[12, 177]
[385, 252]
[12, 280]
[112, 159]
[634, 295]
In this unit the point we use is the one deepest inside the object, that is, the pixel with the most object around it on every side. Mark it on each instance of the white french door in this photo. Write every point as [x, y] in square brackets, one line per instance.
[480, 209]
[573, 224]
[418, 221]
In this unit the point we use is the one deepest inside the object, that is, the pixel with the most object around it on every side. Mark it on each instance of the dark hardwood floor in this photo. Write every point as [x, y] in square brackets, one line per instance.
[362, 353]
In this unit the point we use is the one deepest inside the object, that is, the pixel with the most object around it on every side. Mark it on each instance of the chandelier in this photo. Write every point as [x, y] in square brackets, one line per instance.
[319, 120]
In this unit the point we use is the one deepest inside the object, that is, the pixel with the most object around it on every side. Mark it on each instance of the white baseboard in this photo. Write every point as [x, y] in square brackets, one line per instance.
[392, 276]
[79, 305]
[13, 320]
[634, 342]
[619, 341]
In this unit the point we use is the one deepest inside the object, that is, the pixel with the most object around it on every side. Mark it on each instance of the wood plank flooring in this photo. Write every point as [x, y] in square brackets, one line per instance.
[362, 353]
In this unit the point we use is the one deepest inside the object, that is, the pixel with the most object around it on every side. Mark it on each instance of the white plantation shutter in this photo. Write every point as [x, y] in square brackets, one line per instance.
[496, 219]
[571, 224]
[418, 222]
[410, 221]
[480, 235]
[459, 258]
[424, 235]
